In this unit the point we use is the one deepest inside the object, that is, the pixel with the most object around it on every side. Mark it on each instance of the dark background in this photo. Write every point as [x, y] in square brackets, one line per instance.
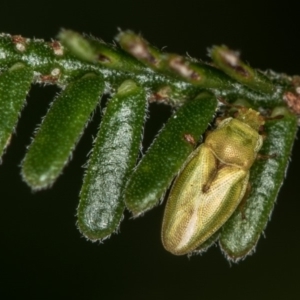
[42, 254]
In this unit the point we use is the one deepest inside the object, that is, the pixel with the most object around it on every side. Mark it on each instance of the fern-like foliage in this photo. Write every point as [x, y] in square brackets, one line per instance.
[134, 73]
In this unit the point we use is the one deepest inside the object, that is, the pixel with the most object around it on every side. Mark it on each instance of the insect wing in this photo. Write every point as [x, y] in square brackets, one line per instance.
[192, 213]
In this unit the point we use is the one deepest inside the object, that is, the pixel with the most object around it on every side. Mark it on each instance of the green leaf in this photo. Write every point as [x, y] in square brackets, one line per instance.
[60, 131]
[229, 61]
[114, 156]
[77, 45]
[174, 65]
[168, 153]
[240, 234]
[14, 85]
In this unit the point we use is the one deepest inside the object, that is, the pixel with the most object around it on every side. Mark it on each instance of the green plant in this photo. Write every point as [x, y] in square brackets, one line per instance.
[133, 74]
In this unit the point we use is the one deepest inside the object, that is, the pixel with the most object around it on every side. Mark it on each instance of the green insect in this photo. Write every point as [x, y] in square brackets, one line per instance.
[212, 183]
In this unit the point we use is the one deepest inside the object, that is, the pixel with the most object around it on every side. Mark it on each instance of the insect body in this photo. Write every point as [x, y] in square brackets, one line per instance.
[212, 183]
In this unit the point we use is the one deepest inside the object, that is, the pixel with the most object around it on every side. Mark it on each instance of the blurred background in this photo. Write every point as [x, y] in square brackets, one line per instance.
[42, 254]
